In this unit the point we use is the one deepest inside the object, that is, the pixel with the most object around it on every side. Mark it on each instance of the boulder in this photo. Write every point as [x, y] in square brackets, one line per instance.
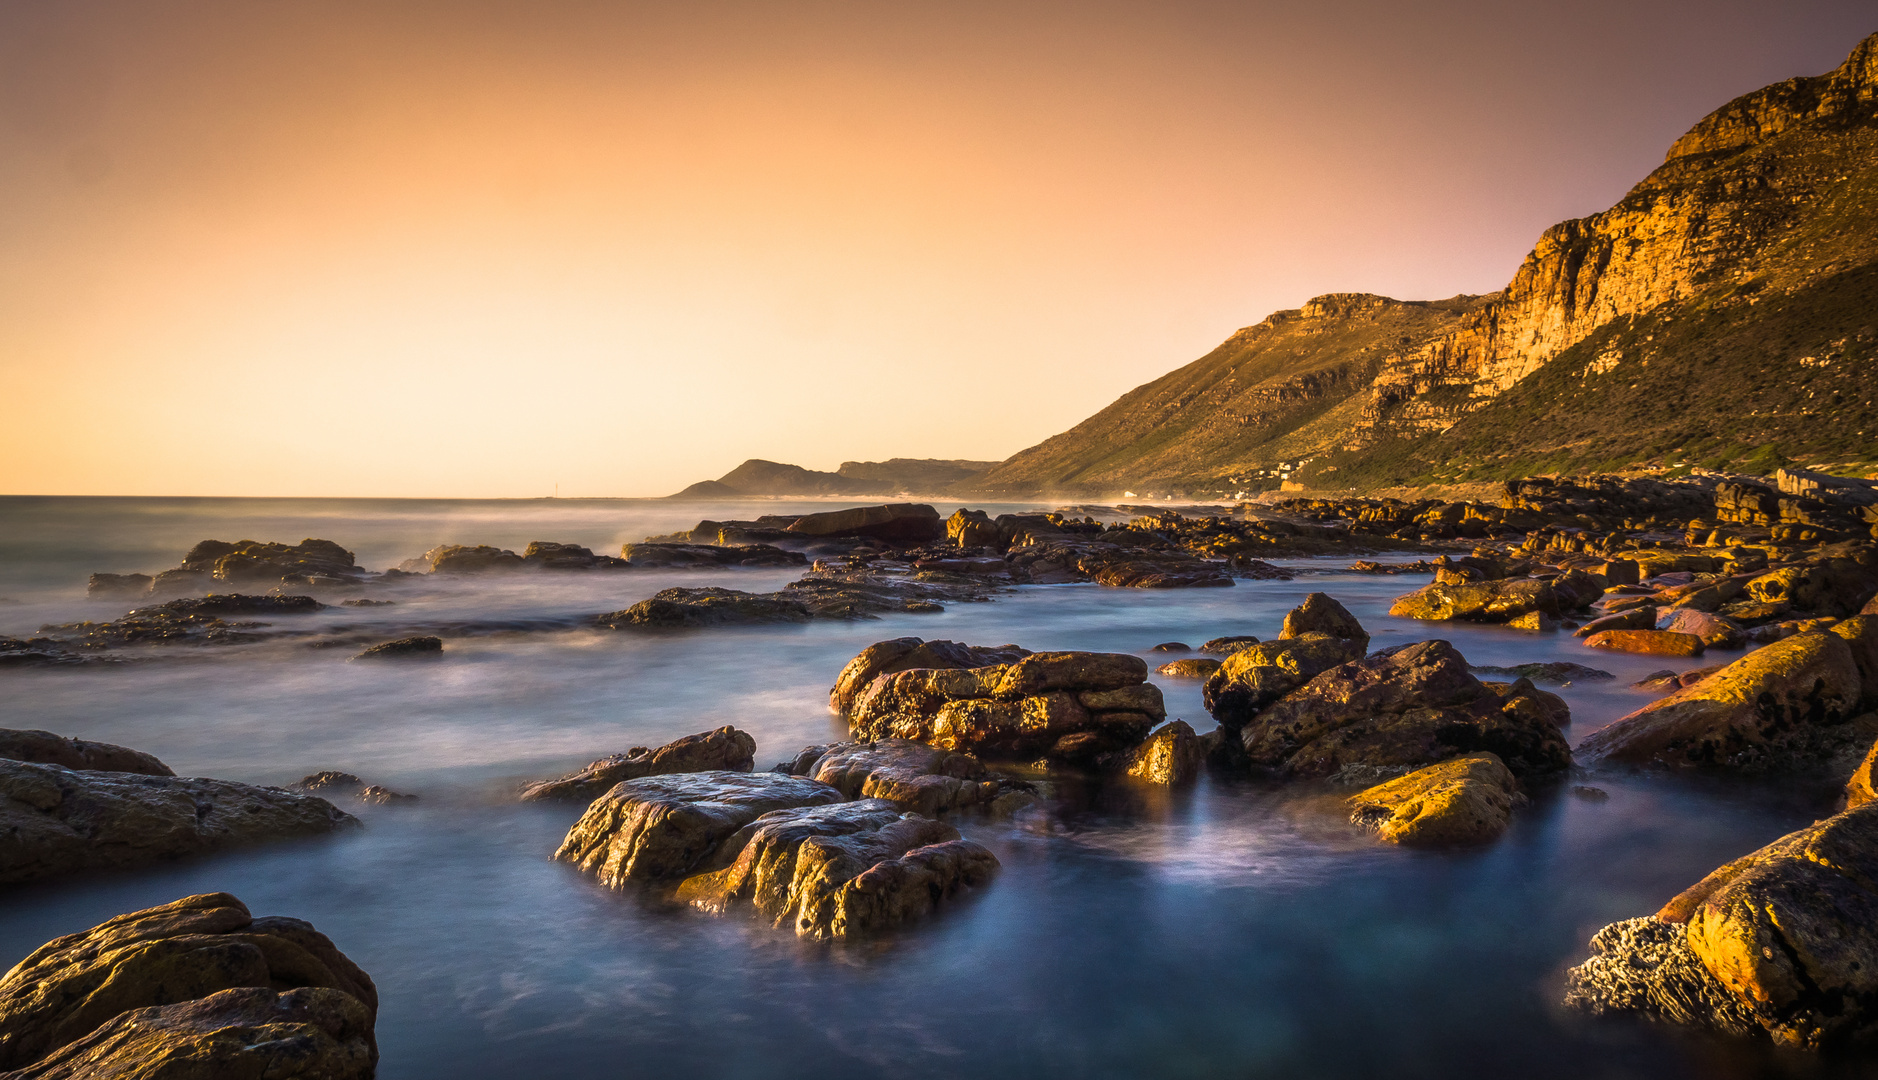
[660, 828]
[1642, 617]
[836, 872]
[907, 653]
[1715, 631]
[45, 748]
[1194, 668]
[1785, 705]
[56, 820]
[898, 523]
[549, 555]
[113, 586]
[1478, 601]
[76, 988]
[465, 559]
[723, 750]
[911, 775]
[1172, 755]
[972, 529]
[1226, 646]
[1406, 707]
[1836, 587]
[404, 649]
[1783, 941]
[332, 784]
[1648, 642]
[1322, 614]
[1463, 800]
[1256, 676]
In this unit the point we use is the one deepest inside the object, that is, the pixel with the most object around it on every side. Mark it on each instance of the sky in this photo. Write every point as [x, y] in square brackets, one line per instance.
[478, 249]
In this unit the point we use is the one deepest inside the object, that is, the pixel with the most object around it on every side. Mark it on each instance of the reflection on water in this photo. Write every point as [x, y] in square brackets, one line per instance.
[1236, 929]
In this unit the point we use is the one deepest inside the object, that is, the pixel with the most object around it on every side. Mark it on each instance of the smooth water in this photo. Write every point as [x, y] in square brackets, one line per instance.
[1238, 929]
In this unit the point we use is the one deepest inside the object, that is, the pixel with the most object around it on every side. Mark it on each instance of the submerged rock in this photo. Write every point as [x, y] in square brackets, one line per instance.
[112, 586]
[345, 785]
[45, 748]
[119, 996]
[660, 828]
[911, 775]
[725, 749]
[1783, 941]
[184, 621]
[833, 872]
[469, 559]
[56, 820]
[404, 648]
[1464, 800]
[1786, 705]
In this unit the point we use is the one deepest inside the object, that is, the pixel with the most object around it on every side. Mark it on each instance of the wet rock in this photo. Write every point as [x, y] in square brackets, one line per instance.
[1172, 755]
[1226, 646]
[467, 559]
[1786, 705]
[1172, 647]
[344, 785]
[403, 648]
[1784, 941]
[1320, 613]
[236, 604]
[43, 652]
[690, 608]
[837, 872]
[1478, 601]
[1254, 677]
[366, 602]
[1192, 668]
[660, 828]
[907, 653]
[723, 750]
[1648, 642]
[1554, 672]
[972, 529]
[55, 820]
[1715, 631]
[911, 775]
[112, 586]
[73, 1005]
[641, 556]
[1536, 621]
[45, 748]
[1413, 705]
[185, 621]
[1464, 800]
[897, 523]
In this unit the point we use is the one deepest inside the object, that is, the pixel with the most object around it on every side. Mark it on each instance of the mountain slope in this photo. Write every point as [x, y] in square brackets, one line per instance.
[1715, 310]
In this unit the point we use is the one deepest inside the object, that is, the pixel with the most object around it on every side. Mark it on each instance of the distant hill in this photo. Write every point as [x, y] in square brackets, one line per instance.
[1724, 313]
[756, 477]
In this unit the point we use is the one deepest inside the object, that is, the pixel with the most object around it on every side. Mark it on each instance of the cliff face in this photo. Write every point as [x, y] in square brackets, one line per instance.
[1772, 197]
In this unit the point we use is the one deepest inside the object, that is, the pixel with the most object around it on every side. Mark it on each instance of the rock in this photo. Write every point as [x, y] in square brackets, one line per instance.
[1256, 676]
[836, 872]
[1321, 614]
[689, 608]
[1859, 790]
[44, 652]
[1226, 646]
[366, 602]
[112, 586]
[659, 828]
[1715, 631]
[1781, 706]
[1786, 936]
[1478, 601]
[972, 529]
[911, 775]
[1463, 800]
[345, 785]
[190, 620]
[907, 653]
[463, 559]
[1413, 705]
[1172, 755]
[1591, 794]
[1648, 642]
[1860, 632]
[1172, 647]
[899, 523]
[1193, 668]
[403, 648]
[56, 820]
[549, 555]
[244, 1034]
[1536, 621]
[1642, 617]
[45, 748]
[1835, 587]
[74, 989]
[641, 556]
[723, 750]
[1619, 571]
[1554, 672]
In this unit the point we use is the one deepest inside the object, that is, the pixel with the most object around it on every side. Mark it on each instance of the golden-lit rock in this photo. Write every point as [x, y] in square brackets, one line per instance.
[1200, 667]
[1172, 756]
[911, 775]
[1464, 800]
[1478, 601]
[1860, 789]
[725, 749]
[1647, 642]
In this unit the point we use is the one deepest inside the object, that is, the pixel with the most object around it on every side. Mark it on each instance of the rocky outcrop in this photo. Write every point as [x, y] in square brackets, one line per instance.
[1790, 704]
[1262, 672]
[251, 564]
[45, 748]
[723, 750]
[144, 993]
[660, 828]
[56, 820]
[895, 523]
[904, 654]
[1464, 800]
[1783, 941]
[833, 872]
[911, 775]
[1406, 707]
[1072, 706]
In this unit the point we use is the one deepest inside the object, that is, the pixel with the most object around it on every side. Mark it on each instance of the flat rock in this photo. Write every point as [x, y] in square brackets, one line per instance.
[1786, 705]
[682, 608]
[1555, 672]
[74, 988]
[1226, 646]
[1199, 667]
[56, 820]
[641, 556]
[1478, 601]
[725, 749]
[404, 649]
[1464, 800]
[660, 828]
[45, 748]
[1647, 642]
[1716, 631]
[469, 559]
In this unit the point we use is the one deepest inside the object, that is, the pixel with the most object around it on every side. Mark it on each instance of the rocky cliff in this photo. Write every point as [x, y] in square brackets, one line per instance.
[1725, 308]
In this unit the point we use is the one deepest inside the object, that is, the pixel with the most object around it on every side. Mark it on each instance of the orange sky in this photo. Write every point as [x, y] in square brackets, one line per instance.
[278, 247]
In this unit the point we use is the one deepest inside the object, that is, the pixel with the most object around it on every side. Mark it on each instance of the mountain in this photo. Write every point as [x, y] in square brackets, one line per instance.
[1724, 313]
[757, 477]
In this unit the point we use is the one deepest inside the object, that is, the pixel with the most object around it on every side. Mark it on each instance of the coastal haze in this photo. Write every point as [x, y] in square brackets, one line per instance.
[458, 250]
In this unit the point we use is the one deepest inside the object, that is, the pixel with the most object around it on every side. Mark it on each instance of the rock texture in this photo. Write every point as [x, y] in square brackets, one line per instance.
[1172, 755]
[1318, 635]
[911, 775]
[723, 750]
[1784, 941]
[1464, 800]
[907, 653]
[45, 748]
[56, 820]
[134, 994]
